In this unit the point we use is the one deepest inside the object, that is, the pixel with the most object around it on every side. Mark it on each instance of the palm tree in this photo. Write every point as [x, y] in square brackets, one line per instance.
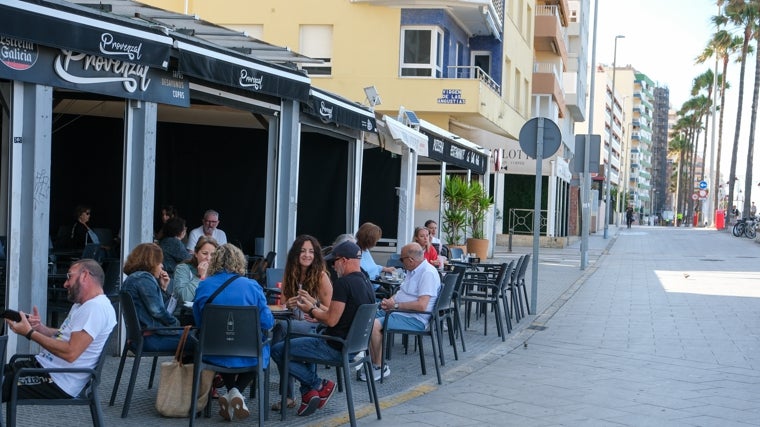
[724, 46]
[742, 15]
[704, 81]
[699, 106]
[678, 146]
[753, 9]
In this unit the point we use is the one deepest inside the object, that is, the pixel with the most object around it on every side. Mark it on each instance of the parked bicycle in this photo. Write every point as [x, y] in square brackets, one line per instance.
[746, 227]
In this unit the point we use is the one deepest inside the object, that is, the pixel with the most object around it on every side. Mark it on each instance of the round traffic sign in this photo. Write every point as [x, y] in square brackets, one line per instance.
[702, 193]
[695, 196]
[529, 135]
[702, 185]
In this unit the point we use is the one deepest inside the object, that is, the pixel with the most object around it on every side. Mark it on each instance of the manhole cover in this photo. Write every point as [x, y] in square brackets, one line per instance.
[536, 327]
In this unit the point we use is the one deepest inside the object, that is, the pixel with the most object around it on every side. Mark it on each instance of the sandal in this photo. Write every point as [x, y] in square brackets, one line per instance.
[291, 404]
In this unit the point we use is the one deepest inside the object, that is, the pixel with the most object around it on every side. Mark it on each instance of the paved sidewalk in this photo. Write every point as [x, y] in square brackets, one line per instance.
[663, 330]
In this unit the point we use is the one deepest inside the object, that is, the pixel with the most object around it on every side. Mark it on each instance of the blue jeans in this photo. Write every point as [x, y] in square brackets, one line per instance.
[305, 373]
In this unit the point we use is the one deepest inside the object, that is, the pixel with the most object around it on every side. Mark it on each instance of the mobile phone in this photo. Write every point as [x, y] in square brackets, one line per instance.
[12, 314]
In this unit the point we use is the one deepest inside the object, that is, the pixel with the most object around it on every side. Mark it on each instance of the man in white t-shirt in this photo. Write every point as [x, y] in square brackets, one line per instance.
[209, 229]
[77, 344]
[418, 291]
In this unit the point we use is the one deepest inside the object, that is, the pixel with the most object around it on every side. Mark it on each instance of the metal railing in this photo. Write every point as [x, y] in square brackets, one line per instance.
[473, 72]
[521, 221]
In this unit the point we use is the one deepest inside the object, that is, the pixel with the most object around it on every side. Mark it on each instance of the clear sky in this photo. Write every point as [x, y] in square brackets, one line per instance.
[662, 40]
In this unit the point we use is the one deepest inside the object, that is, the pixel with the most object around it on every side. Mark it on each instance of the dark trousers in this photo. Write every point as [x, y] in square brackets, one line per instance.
[31, 386]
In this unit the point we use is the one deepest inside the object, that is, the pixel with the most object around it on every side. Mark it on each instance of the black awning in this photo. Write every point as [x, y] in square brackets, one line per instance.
[67, 26]
[444, 148]
[330, 108]
[226, 68]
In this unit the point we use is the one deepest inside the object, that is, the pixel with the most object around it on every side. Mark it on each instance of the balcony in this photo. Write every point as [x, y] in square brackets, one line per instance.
[477, 17]
[547, 79]
[549, 35]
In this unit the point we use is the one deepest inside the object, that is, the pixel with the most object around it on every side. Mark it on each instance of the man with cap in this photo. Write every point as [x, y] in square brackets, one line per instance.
[351, 290]
[418, 291]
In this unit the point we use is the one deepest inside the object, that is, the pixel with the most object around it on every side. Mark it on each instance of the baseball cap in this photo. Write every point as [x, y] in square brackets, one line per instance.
[345, 250]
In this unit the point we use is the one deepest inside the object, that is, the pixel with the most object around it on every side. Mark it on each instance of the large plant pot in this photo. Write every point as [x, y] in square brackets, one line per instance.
[479, 247]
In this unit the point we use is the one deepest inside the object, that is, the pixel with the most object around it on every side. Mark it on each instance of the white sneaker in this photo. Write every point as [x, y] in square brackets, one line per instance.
[376, 373]
[225, 409]
[237, 404]
[358, 356]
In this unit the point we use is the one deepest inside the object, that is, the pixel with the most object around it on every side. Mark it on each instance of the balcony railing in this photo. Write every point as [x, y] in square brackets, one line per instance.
[473, 72]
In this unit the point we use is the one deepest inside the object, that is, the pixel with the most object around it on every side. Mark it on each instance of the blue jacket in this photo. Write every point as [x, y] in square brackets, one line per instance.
[241, 292]
[149, 301]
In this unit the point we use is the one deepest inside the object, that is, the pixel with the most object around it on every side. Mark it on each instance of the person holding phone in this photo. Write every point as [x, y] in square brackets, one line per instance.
[77, 344]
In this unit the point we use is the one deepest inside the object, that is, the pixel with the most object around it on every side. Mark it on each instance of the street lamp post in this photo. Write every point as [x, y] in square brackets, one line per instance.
[609, 146]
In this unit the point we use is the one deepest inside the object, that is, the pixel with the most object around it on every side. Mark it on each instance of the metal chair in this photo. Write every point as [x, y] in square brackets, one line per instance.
[483, 289]
[134, 343]
[88, 396]
[519, 284]
[231, 330]
[433, 329]
[356, 341]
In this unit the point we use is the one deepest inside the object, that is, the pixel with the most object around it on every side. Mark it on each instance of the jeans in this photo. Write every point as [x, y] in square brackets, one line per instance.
[305, 373]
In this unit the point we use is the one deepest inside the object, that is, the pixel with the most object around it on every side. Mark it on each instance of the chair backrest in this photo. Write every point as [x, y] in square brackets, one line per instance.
[3, 350]
[230, 330]
[131, 322]
[456, 253]
[523, 268]
[447, 291]
[394, 261]
[112, 280]
[358, 335]
[274, 275]
[93, 384]
[507, 278]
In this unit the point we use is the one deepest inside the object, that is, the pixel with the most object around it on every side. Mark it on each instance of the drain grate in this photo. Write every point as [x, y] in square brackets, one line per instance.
[536, 327]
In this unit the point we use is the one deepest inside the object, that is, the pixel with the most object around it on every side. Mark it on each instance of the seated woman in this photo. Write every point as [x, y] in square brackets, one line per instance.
[422, 237]
[366, 238]
[304, 269]
[189, 274]
[147, 283]
[227, 262]
[171, 244]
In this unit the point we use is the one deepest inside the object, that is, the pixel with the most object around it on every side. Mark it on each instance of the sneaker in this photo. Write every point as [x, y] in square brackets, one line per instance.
[309, 403]
[328, 388]
[225, 409]
[358, 356]
[237, 403]
[376, 373]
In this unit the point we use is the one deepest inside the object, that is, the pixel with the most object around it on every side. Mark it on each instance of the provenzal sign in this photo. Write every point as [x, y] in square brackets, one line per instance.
[29, 62]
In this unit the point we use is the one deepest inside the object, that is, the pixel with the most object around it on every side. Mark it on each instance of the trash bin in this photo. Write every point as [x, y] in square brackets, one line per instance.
[695, 220]
[720, 219]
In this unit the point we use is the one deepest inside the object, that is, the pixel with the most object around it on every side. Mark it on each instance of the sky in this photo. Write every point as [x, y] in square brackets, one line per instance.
[662, 40]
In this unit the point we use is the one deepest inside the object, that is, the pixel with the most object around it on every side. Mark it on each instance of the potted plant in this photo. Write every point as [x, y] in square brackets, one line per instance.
[480, 203]
[457, 201]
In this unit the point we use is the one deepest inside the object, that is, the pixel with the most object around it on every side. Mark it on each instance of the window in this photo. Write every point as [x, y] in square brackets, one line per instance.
[316, 42]
[421, 52]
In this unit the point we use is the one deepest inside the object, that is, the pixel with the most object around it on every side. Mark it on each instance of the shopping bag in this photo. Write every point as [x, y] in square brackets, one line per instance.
[175, 385]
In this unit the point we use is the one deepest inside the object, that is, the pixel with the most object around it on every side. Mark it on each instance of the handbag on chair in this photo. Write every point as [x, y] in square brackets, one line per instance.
[175, 385]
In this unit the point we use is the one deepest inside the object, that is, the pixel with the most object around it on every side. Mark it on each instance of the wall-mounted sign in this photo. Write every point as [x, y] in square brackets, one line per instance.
[29, 62]
[451, 96]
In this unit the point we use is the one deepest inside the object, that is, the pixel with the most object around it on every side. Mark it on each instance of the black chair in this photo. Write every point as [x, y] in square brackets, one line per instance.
[242, 337]
[433, 329]
[355, 342]
[259, 269]
[456, 303]
[88, 397]
[456, 254]
[507, 294]
[3, 350]
[520, 288]
[483, 289]
[134, 343]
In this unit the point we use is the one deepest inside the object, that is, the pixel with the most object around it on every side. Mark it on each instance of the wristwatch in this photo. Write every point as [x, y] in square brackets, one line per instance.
[395, 306]
[311, 310]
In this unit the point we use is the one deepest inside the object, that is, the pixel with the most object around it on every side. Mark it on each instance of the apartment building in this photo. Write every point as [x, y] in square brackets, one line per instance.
[467, 69]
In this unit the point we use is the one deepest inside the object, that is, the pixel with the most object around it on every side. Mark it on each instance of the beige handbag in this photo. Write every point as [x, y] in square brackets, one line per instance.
[176, 384]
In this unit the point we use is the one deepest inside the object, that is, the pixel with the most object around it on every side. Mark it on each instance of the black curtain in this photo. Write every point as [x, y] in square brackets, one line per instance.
[379, 201]
[323, 177]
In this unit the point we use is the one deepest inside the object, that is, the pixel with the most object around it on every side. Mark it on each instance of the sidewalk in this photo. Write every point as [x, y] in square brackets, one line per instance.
[663, 330]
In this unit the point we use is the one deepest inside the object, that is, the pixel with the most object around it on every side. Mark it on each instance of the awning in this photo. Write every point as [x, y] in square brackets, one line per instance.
[226, 67]
[453, 149]
[330, 108]
[65, 25]
[416, 141]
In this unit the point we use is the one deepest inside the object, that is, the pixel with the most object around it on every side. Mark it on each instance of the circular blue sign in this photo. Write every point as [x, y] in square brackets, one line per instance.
[702, 185]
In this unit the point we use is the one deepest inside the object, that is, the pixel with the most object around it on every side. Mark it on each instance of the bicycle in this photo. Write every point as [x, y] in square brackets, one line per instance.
[746, 227]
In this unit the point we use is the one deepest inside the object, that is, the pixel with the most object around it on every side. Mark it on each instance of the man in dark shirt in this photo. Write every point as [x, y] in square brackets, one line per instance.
[351, 290]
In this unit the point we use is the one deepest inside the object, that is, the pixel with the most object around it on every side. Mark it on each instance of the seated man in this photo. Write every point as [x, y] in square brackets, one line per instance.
[419, 291]
[77, 344]
[208, 229]
[351, 290]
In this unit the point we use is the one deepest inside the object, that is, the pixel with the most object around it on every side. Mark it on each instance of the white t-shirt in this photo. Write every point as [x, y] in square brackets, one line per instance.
[97, 318]
[423, 280]
[196, 233]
